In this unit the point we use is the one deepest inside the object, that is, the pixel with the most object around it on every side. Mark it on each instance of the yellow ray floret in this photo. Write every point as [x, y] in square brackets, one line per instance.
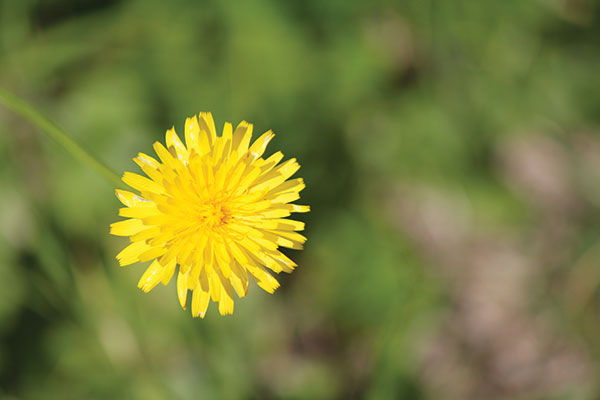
[215, 208]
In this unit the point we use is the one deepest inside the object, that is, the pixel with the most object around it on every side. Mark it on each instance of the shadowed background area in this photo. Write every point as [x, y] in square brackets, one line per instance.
[451, 152]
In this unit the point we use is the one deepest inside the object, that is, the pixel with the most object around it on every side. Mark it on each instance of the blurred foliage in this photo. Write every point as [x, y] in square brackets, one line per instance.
[451, 151]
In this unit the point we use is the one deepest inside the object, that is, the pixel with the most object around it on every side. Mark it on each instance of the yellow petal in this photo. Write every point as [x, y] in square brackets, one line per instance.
[149, 233]
[297, 208]
[217, 151]
[215, 287]
[168, 272]
[223, 260]
[239, 255]
[249, 178]
[129, 199]
[204, 284]
[275, 224]
[277, 176]
[276, 211]
[241, 138]
[192, 131]
[131, 253]
[207, 118]
[293, 185]
[271, 162]
[142, 184]
[263, 279]
[182, 289]
[205, 139]
[226, 302]
[200, 300]
[293, 236]
[152, 252]
[235, 176]
[259, 146]
[194, 276]
[239, 279]
[127, 227]
[142, 210]
[164, 155]
[150, 166]
[282, 240]
[173, 141]
[284, 197]
[228, 139]
[260, 275]
[276, 257]
[151, 277]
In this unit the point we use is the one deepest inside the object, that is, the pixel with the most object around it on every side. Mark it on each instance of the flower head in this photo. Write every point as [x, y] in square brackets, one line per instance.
[214, 207]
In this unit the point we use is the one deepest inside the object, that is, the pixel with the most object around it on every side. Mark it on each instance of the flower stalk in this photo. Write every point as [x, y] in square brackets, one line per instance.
[55, 133]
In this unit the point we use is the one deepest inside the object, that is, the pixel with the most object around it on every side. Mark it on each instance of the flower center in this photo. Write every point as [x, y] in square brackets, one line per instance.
[214, 215]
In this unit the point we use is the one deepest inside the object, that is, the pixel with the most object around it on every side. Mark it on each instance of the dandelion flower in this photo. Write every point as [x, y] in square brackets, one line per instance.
[214, 207]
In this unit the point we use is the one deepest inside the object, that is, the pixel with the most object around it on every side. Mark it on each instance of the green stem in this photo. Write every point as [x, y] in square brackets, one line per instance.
[20, 107]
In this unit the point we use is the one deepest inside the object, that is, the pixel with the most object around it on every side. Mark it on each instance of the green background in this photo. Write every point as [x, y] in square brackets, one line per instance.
[451, 151]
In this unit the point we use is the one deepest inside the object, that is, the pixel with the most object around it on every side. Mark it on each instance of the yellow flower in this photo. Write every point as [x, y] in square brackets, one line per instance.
[216, 208]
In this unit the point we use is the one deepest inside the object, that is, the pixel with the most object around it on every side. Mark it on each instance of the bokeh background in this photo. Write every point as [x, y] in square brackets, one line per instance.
[451, 151]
